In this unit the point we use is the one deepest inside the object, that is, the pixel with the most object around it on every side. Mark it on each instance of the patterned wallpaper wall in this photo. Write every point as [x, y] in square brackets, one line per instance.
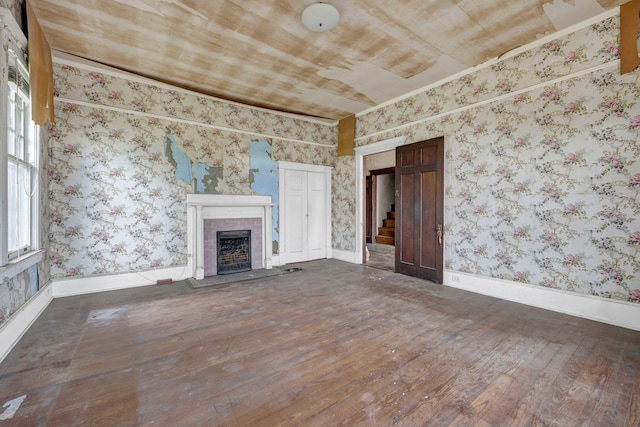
[343, 204]
[16, 7]
[117, 193]
[541, 185]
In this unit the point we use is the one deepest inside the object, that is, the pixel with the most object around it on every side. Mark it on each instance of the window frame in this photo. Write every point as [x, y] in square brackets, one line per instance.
[28, 160]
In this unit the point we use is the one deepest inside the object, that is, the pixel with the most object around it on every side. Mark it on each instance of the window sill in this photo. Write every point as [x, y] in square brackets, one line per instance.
[20, 264]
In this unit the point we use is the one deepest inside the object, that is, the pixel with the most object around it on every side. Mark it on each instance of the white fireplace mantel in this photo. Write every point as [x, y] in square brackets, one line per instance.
[220, 206]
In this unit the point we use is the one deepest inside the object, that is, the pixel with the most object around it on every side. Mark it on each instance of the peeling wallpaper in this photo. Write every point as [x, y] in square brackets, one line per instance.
[117, 201]
[14, 292]
[541, 187]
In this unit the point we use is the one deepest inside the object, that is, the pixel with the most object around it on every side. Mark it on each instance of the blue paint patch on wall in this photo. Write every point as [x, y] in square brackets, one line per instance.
[32, 278]
[179, 159]
[200, 171]
[264, 179]
[206, 177]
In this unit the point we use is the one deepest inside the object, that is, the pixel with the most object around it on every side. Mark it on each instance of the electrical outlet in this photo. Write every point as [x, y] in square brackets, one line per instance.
[455, 278]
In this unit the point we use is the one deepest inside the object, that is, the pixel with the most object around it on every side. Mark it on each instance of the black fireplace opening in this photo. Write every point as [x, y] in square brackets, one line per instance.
[234, 251]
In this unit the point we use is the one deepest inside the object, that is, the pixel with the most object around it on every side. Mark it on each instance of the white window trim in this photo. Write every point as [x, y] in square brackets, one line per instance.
[12, 35]
[20, 264]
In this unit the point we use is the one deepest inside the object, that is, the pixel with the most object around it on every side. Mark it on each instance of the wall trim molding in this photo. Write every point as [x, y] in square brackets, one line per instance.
[18, 265]
[347, 256]
[68, 59]
[614, 312]
[516, 51]
[19, 323]
[611, 64]
[189, 122]
[111, 282]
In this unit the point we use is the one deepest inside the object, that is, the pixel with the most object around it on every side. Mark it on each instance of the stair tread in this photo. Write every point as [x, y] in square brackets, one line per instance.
[386, 231]
[385, 240]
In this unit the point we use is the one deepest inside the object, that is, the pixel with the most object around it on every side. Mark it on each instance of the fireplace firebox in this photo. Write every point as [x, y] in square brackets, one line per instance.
[234, 251]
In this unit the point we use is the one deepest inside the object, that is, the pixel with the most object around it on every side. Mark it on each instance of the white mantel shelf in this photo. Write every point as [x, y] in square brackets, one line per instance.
[227, 200]
[222, 206]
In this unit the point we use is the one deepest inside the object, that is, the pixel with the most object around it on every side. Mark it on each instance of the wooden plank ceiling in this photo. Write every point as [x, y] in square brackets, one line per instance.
[258, 52]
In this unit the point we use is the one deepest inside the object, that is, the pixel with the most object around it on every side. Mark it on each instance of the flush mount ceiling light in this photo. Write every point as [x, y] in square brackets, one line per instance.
[320, 17]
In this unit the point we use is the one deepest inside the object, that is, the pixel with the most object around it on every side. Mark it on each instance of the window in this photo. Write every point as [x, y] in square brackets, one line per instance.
[21, 164]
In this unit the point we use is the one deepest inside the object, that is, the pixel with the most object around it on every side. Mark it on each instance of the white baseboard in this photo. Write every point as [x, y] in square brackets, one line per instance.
[347, 256]
[21, 320]
[112, 282]
[275, 260]
[614, 312]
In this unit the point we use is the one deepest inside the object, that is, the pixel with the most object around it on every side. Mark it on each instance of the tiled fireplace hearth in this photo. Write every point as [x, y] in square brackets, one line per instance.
[210, 213]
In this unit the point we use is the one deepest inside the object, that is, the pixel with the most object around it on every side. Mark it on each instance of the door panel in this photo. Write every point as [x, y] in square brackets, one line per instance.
[316, 214]
[296, 195]
[429, 238]
[420, 201]
[429, 155]
[406, 244]
[368, 209]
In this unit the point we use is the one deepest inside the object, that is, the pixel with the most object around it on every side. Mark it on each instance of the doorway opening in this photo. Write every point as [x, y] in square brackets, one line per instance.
[360, 154]
[380, 210]
[428, 250]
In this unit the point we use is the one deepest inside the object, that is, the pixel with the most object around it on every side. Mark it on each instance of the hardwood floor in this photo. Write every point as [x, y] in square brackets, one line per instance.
[333, 344]
[381, 256]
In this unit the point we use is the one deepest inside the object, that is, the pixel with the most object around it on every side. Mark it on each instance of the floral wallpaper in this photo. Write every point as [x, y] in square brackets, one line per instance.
[73, 83]
[578, 51]
[343, 203]
[545, 190]
[44, 267]
[117, 199]
[541, 187]
[16, 7]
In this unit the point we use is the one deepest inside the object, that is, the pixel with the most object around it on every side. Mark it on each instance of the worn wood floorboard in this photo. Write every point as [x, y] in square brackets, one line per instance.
[333, 344]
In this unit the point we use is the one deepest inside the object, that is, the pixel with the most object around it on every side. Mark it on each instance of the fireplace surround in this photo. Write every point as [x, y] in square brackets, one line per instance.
[233, 250]
[225, 207]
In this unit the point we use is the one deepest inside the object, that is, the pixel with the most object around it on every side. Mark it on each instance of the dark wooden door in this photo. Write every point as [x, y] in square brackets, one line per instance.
[419, 209]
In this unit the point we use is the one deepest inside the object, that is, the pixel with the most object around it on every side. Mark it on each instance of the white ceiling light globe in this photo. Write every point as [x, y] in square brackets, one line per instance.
[320, 17]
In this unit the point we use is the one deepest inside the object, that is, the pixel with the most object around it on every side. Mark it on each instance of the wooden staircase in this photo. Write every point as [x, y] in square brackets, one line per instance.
[386, 233]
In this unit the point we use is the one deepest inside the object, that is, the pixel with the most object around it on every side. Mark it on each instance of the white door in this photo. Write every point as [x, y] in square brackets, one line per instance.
[317, 216]
[305, 207]
[295, 214]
